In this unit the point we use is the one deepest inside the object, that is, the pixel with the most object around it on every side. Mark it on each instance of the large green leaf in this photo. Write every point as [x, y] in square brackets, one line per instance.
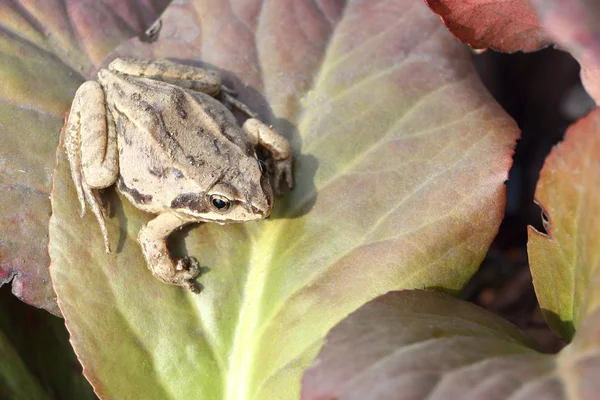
[565, 261]
[401, 157]
[46, 50]
[426, 345]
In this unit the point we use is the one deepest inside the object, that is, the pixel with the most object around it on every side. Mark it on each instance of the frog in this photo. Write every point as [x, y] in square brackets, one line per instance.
[165, 135]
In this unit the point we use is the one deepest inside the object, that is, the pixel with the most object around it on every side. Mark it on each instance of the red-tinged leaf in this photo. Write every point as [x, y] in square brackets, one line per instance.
[590, 77]
[502, 25]
[47, 48]
[565, 261]
[427, 345]
[401, 158]
[573, 24]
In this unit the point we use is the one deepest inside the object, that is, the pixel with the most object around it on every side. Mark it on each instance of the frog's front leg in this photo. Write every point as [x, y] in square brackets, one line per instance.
[153, 238]
[277, 145]
[91, 146]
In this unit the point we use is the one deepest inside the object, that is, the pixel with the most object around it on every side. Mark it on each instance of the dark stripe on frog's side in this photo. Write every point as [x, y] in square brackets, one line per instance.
[216, 146]
[190, 201]
[179, 101]
[195, 161]
[134, 193]
[162, 172]
[118, 89]
[163, 135]
[158, 172]
[219, 117]
[119, 122]
[177, 173]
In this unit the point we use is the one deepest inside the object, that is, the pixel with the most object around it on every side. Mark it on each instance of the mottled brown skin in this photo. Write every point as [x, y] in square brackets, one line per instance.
[156, 129]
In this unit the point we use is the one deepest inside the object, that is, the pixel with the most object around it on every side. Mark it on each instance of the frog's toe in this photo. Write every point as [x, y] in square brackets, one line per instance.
[191, 285]
[187, 268]
[229, 91]
[283, 172]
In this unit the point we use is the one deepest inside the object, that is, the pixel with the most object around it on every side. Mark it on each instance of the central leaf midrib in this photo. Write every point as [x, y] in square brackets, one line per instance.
[238, 377]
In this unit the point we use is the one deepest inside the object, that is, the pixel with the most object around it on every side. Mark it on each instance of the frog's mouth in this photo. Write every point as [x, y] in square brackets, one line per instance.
[262, 213]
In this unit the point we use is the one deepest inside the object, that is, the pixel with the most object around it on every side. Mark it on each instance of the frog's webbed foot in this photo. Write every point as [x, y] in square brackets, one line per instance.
[187, 268]
[282, 171]
[153, 239]
[278, 146]
[91, 146]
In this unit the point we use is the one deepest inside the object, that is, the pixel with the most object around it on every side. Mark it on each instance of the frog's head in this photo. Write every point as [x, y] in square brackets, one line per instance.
[241, 194]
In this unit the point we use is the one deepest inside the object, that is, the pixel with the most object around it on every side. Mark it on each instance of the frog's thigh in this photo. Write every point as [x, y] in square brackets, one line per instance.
[91, 149]
[185, 76]
[262, 134]
[99, 152]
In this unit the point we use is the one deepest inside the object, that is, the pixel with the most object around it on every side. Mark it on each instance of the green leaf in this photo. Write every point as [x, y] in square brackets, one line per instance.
[46, 50]
[400, 161]
[565, 261]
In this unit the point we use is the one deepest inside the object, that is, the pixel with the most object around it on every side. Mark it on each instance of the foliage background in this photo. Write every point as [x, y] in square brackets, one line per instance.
[524, 86]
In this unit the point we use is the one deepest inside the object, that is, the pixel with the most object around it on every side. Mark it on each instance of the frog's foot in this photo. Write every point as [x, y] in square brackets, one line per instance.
[180, 272]
[153, 239]
[186, 269]
[93, 199]
[278, 146]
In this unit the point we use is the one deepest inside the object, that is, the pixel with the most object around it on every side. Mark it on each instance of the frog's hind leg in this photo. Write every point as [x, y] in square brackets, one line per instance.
[91, 144]
[185, 76]
[227, 97]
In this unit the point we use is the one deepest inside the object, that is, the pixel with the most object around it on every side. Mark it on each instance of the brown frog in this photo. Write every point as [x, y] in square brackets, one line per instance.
[158, 130]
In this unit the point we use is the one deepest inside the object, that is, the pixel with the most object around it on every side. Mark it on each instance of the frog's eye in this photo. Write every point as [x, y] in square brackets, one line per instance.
[262, 167]
[220, 203]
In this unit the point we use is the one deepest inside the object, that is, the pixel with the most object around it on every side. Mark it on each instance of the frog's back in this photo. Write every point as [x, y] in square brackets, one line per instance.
[170, 137]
